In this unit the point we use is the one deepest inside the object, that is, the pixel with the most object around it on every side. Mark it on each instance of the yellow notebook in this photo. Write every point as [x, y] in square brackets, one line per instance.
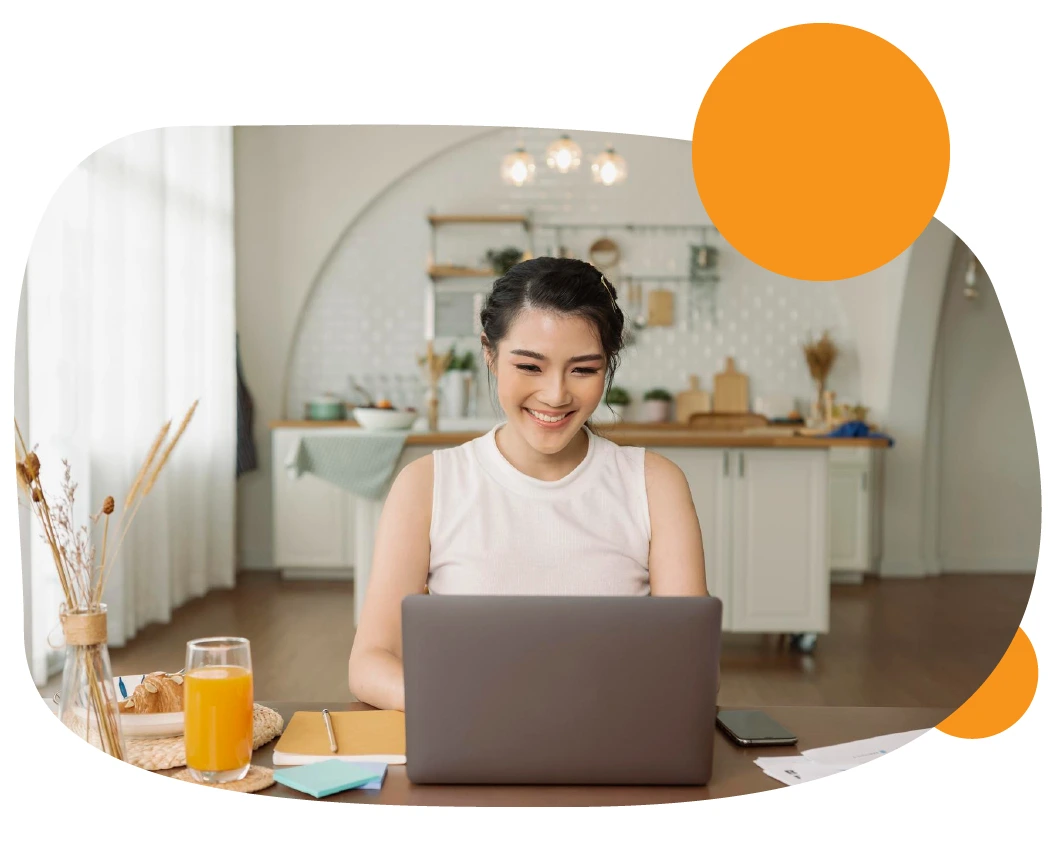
[375, 736]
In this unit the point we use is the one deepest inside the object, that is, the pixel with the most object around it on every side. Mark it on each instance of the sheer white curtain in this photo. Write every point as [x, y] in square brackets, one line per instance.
[130, 318]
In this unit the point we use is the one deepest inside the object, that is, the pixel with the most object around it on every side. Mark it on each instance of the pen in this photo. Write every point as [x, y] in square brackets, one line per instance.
[331, 732]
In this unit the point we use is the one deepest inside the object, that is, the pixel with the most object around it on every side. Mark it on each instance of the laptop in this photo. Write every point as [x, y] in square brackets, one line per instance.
[560, 690]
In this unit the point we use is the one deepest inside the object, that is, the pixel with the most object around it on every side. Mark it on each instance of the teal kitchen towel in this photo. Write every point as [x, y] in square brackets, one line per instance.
[360, 462]
[325, 778]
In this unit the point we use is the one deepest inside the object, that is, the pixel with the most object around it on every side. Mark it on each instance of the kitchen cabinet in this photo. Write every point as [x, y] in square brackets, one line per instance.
[775, 519]
[314, 530]
[855, 482]
[765, 524]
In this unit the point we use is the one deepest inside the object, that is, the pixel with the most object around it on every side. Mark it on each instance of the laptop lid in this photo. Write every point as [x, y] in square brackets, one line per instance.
[560, 690]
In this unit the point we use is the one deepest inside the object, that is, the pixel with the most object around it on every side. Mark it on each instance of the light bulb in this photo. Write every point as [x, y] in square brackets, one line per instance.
[518, 167]
[609, 168]
[563, 154]
[970, 276]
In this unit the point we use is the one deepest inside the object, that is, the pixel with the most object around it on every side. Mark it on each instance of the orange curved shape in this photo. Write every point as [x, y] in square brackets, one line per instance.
[820, 151]
[1002, 699]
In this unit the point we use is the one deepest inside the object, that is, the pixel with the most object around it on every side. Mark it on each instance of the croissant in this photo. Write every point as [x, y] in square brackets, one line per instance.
[157, 693]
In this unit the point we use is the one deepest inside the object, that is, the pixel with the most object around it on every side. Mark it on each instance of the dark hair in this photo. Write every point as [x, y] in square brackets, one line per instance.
[566, 286]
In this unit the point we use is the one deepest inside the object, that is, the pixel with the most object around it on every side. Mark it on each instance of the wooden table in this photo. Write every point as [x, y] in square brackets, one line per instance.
[734, 771]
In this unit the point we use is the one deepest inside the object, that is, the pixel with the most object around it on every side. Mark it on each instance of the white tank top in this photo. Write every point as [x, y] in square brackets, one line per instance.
[497, 531]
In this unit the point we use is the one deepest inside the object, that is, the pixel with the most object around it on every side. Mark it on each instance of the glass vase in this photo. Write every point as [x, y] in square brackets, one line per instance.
[88, 703]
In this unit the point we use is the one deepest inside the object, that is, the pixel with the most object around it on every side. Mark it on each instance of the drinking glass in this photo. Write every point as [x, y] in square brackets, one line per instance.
[218, 703]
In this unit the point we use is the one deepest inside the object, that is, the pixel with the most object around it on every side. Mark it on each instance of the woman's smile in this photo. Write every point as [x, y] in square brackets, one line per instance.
[550, 420]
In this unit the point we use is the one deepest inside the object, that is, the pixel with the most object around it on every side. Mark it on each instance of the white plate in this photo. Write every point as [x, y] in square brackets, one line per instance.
[143, 725]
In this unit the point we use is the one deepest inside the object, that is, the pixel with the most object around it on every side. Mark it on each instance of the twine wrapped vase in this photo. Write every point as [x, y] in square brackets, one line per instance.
[88, 698]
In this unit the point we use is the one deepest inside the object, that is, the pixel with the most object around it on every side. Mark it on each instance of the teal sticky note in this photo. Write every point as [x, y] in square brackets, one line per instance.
[325, 778]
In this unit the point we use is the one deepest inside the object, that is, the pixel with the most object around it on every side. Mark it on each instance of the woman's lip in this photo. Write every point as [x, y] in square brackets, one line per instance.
[543, 424]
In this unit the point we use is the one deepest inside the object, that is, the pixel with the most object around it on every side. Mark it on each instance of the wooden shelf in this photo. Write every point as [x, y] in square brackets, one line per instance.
[439, 271]
[440, 219]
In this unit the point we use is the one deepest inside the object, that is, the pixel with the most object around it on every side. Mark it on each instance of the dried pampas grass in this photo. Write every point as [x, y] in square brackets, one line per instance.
[820, 357]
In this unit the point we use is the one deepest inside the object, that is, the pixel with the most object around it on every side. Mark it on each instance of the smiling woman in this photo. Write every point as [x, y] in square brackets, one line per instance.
[540, 504]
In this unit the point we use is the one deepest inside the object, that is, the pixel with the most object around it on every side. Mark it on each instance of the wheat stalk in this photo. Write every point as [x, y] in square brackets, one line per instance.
[125, 526]
[145, 468]
[170, 448]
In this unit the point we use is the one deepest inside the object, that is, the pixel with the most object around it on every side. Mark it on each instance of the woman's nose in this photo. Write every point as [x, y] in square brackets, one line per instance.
[554, 393]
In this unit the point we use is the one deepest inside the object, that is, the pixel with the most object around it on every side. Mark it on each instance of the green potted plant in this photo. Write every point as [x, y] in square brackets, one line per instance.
[504, 259]
[656, 405]
[458, 383]
[617, 398]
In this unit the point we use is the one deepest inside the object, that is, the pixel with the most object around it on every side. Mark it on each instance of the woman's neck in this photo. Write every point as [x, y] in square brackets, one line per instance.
[536, 464]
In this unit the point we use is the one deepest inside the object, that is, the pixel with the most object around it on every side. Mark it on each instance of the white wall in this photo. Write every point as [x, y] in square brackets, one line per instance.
[905, 519]
[988, 478]
[366, 312]
[296, 190]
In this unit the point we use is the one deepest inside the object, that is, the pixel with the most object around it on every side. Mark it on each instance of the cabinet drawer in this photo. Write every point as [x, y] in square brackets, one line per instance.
[844, 455]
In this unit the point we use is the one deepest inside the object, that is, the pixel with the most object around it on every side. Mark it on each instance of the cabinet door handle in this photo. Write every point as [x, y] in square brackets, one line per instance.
[864, 481]
[726, 464]
[740, 464]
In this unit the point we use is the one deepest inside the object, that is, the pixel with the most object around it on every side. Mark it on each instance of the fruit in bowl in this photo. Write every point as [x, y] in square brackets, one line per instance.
[384, 418]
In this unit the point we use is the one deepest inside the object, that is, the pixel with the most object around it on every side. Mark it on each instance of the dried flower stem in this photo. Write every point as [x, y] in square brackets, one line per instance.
[133, 492]
[125, 526]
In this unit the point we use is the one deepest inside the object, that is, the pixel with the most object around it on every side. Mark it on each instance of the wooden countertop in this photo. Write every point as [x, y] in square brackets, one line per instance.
[656, 435]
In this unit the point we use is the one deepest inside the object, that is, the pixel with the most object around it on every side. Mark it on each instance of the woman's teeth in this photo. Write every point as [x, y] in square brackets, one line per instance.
[545, 418]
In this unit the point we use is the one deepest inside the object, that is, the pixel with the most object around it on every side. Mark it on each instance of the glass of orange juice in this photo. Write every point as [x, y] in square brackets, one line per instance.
[217, 700]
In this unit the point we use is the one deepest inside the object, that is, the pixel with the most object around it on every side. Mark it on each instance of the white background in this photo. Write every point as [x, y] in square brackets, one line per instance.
[77, 77]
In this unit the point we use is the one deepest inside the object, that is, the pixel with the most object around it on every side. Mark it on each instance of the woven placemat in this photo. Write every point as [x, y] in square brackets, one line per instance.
[157, 754]
[258, 778]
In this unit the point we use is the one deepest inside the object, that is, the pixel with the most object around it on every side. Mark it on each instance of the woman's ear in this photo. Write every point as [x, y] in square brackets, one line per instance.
[487, 352]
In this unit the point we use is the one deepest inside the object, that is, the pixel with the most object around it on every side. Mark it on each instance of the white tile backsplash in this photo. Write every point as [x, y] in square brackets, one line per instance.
[365, 314]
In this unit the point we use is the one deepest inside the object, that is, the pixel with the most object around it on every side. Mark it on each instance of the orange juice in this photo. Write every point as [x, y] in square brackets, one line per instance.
[218, 703]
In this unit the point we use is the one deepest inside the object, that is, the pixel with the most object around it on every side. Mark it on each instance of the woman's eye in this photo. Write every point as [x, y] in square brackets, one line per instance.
[532, 369]
[586, 371]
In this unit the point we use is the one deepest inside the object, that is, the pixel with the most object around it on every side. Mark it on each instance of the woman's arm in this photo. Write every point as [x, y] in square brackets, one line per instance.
[676, 550]
[400, 565]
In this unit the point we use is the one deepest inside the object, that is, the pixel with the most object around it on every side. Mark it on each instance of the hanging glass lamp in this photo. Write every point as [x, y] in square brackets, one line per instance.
[609, 168]
[518, 167]
[563, 154]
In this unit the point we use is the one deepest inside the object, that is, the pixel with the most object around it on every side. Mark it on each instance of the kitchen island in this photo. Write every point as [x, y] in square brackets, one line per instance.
[762, 499]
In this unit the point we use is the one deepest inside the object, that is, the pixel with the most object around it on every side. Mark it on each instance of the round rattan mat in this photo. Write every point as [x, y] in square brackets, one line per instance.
[170, 752]
[258, 778]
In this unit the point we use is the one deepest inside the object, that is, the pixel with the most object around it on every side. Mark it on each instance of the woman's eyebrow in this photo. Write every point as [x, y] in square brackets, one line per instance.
[532, 354]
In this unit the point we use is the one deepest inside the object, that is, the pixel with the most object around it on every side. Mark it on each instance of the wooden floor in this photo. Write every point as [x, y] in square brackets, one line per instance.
[927, 642]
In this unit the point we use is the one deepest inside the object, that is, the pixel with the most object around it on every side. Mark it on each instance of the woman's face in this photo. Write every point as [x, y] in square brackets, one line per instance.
[550, 374]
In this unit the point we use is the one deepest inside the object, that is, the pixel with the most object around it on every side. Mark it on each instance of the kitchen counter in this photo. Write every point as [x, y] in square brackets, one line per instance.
[762, 496]
[655, 435]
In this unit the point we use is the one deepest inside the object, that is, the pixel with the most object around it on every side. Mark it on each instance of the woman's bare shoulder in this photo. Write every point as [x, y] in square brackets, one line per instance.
[662, 473]
[416, 479]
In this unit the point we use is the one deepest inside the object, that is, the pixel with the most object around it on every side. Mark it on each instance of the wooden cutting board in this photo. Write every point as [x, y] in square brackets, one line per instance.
[661, 307]
[692, 401]
[731, 390]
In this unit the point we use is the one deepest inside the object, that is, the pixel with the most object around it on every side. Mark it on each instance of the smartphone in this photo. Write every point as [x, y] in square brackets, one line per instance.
[753, 727]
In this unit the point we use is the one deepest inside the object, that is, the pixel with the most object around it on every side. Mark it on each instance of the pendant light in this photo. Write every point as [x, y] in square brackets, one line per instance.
[518, 167]
[609, 168]
[970, 278]
[563, 155]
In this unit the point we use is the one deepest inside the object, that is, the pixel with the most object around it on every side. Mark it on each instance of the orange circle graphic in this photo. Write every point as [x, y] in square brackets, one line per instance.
[820, 152]
[1002, 699]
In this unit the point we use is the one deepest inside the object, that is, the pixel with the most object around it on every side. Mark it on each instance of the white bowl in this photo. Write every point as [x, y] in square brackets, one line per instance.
[380, 419]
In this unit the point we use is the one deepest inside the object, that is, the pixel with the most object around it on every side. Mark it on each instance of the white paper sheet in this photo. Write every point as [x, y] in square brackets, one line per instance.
[795, 769]
[817, 763]
[862, 750]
